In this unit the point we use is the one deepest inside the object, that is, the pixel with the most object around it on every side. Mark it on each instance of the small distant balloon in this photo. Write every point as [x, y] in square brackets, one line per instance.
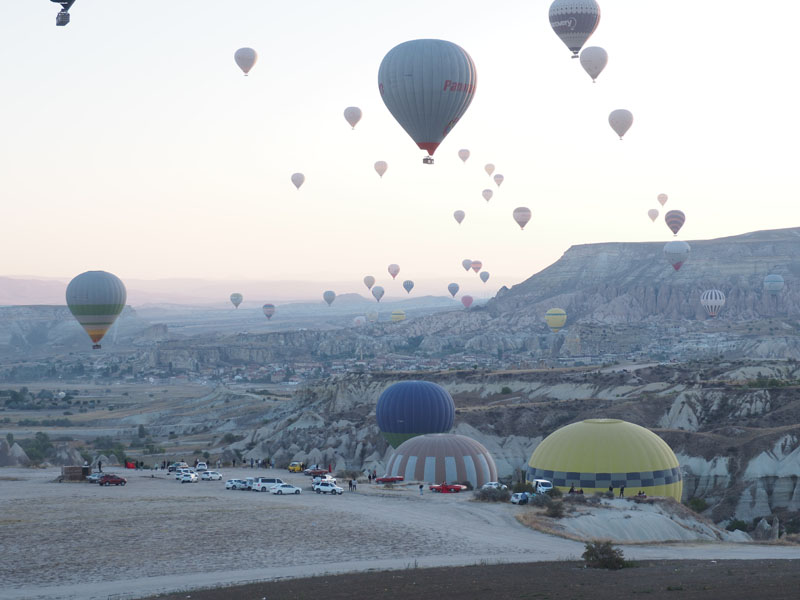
[620, 121]
[653, 214]
[662, 199]
[245, 58]
[298, 179]
[453, 289]
[397, 316]
[372, 316]
[459, 216]
[487, 194]
[393, 270]
[489, 168]
[236, 299]
[377, 293]
[476, 265]
[773, 283]
[329, 296]
[593, 60]
[269, 310]
[463, 154]
[676, 252]
[369, 281]
[352, 115]
[522, 214]
[484, 275]
[555, 318]
[408, 285]
[466, 301]
[467, 264]
[380, 167]
[675, 220]
[498, 179]
[712, 301]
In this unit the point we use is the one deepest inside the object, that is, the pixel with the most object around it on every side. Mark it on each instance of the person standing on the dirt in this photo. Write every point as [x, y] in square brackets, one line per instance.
[421, 487]
[622, 492]
[100, 466]
[611, 489]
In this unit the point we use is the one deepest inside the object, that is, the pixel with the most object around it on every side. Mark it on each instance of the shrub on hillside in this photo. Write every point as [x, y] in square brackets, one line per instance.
[522, 486]
[735, 524]
[555, 510]
[505, 390]
[555, 493]
[698, 505]
[492, 495]
[540, 500]
[602, 555]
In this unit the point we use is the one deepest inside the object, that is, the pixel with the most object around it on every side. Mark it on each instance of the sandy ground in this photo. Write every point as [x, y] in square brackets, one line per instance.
[156, 535]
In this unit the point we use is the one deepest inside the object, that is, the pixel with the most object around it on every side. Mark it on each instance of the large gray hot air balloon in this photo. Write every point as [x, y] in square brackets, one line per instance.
[593, 60]
[453, 288]
[369, 281]
[95, 299]
[329, 296]
[427, 85]
[676, 252]
[377, 292]
[712, 301]
[352, 115]
[245, 58]
[236, 299]
[522, 214]
[574, 21]
[620, 121]
[773, 283]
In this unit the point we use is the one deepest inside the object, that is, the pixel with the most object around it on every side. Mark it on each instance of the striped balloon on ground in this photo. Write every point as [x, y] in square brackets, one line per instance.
[410, 408]
[443, 458]
[95, 299]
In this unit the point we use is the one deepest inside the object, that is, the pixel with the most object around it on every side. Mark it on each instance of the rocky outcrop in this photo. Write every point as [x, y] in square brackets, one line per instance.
[13, 455]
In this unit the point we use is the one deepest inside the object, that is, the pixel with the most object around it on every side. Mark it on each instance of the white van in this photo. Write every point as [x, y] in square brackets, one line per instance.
[264, 484]
[541, 486]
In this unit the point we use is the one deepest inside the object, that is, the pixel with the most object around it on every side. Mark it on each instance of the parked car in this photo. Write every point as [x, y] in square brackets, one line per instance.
[519, 498]
[315, 472]
[181, 472]
[201, 466]
[262, 484]
[211, 476]
[494, 485]
[111, 479]
[328, 487]
[189, 477]
[447, 488]
[295, 466]
[94, 477]
[236, 484]
[177, 465]
[285, 488]
[389, 479]
[321, 478]
[249, 481]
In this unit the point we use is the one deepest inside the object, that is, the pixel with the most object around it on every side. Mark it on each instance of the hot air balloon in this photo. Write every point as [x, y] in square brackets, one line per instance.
[236, 299]
[298, 179]
[410, 408]
[620, 121]
[487, 194]
[489, 168]
[369, 281]
[377, 293]
[453, 289]
[459, 216]
[352, 115]
[398, 315]
[484, 275]
[662, 199]
[359, 321]
[408, 285]
[95, 299]
[653, 214]
[522, 214]
[466, 301]
[269, 310]
[245, 58]
[712, 301]
[427, 85]
[393, 270]
[372, 316]
[675, 220]
[498, 179]
[476, 265]
[463, 154]
[593, 60]
[773, 284]
[574, 21]
[555, 318]
[329, 296]
[676, 252]
[467, 264]
[380, 167]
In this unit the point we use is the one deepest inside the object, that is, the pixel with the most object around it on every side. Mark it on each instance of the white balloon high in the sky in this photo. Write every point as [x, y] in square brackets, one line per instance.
[463, 154]
[427, 85]
[352, 115]
[522, 214]
[487, 194]
[498, 179]
[245, 58]
[459, 216]
[653, 214]
[489, 168]
[298, 179]
[620, 121]
[662, 199]
[593, 60]
[380, 167]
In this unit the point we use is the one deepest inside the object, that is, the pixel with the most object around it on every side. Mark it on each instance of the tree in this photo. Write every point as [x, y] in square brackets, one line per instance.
[10, 438]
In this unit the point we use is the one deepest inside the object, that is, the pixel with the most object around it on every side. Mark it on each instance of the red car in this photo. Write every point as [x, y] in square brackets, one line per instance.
[316, 472]
[111, 479]
[448, 488]
[389, 479]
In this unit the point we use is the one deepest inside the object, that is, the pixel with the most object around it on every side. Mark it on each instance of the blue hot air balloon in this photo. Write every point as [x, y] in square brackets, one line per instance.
[411, 408]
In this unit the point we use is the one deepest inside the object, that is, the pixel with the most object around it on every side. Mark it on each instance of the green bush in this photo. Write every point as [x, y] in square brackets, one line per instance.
[492, 495]
[698, 505]
[506, 390]
[555, 493]
[602, 555]
[555, 510]
[735, 524]
[541, 500]
[522, 486]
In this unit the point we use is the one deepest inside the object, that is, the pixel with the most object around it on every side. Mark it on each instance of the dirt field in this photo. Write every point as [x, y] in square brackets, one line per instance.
[156, 535]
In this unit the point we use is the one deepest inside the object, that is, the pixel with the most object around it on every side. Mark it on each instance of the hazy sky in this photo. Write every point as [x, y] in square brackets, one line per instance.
[131, 142]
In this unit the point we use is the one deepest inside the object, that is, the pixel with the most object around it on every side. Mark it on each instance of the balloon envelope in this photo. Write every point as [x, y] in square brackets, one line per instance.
[380, 167]
[467, 264]
[653, 214]
[408, 285]
[662, 199]
[522, 214]
[712, 301]
[676, 252]
[453, 289]
[463, 154]
[359, 321]
[675, 220]
[459, 216]
[574, 21]
[95, 299]
[773, 283]
[498, 179]
[427, 85]
[236, 299]
[298, 179]
[620, 121]
[369, 281]
[487, 194]
[555, 318]
[269, 310]
[476, 265]
[593, 60]
[484, 275]
[245, 58]
[329, 296]
[372, 316]
[466, 301]
[410, 408]
[489, 168]
[377, 293]
[398, 315]
[352, 115]
[393, 270]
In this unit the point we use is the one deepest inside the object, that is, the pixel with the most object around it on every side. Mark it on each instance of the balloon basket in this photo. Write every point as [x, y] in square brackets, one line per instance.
[96, 347]
[428, 160]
